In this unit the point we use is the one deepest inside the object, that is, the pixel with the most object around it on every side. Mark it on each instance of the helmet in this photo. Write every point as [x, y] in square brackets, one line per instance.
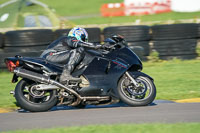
[80, 34]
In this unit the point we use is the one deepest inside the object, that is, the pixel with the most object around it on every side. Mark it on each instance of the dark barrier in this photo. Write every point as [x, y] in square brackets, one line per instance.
[28, 38]
[143, 44]
[37, 48]
[198, 31]
[176, 40]
[137, 37]
[1, 40]
[31, 43]
[182, 49]
[139, 51]
[28, 43]
[60, 32]
[174, 31]
[130, 33]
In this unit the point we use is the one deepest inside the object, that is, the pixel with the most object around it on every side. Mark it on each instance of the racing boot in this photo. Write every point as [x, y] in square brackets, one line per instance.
[66, 76]
[75, 57]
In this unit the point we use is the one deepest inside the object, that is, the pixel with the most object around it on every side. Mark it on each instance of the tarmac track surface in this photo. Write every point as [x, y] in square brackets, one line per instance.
[158, 112]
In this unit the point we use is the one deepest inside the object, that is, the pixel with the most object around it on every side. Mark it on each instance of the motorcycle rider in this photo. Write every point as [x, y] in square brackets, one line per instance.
[69, 50]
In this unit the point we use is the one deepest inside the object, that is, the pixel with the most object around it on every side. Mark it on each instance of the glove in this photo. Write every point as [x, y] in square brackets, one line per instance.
[118, 38]
[98, 46]
[106, 46]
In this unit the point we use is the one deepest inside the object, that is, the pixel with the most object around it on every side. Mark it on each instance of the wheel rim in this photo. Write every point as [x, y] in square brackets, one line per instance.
[33, 96]
[141, 93]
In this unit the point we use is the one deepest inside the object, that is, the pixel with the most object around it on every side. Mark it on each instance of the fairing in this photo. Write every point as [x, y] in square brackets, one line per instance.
[103, 71]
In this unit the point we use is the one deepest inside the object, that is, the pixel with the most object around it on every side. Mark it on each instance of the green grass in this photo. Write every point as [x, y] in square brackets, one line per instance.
[18, 11]
[36, 10]
[86, 7]
[129, 128]
[12, 9]
[3, 1]
[6, 100]
[174, 80]
[80, 7]
[152, 19]
[77, 7]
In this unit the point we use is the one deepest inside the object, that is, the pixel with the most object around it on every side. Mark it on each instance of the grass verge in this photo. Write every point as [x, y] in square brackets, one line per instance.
[6, 100]
[172, 17]
[86, 8]
[3, 1]
[91, 7]
[138, 128]
[12, 10]
[36, 10]
[78, 7]
[175, 79]
[19, 10]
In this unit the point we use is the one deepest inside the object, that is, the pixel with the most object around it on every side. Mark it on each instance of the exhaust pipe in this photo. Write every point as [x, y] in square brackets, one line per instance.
[45, 79]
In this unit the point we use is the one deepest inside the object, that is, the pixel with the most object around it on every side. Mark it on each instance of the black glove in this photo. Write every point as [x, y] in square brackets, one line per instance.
[89, 45]
[106, 46]
[118, 38]
[98, 46]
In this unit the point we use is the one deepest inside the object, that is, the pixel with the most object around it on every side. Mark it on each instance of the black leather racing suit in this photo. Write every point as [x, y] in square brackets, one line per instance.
[67, 50]
[63, 50]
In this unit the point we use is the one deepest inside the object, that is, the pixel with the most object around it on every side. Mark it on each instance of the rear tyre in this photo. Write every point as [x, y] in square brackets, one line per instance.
[39, 102]
[136, 96]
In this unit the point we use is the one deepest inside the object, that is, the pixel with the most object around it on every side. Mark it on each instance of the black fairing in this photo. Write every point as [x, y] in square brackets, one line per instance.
[103, 71]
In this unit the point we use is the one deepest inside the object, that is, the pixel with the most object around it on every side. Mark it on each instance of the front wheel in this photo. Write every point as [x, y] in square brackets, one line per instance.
[136, 96]
[30, 99]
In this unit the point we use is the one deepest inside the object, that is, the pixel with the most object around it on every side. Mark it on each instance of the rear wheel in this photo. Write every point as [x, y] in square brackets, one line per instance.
[30, 99]
[136, 96]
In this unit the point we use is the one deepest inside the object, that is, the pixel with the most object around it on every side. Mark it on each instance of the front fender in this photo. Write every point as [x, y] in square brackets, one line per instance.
[136, 74]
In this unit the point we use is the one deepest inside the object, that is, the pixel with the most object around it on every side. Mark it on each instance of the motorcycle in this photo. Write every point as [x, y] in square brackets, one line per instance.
[107, 76]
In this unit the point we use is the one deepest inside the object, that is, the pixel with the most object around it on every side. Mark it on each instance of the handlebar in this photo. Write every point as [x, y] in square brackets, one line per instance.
[106, 46]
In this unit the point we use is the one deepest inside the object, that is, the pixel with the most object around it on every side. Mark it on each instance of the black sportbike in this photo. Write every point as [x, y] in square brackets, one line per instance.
[107, 76]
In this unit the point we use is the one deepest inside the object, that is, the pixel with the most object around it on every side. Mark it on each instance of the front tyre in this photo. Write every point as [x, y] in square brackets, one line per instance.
[136, 96]
[32, 100]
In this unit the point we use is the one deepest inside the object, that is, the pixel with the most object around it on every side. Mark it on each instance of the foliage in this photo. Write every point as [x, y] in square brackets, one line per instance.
[154, 56]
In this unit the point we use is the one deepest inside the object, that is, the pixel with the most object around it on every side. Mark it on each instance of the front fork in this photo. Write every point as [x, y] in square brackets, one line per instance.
[132, 79]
